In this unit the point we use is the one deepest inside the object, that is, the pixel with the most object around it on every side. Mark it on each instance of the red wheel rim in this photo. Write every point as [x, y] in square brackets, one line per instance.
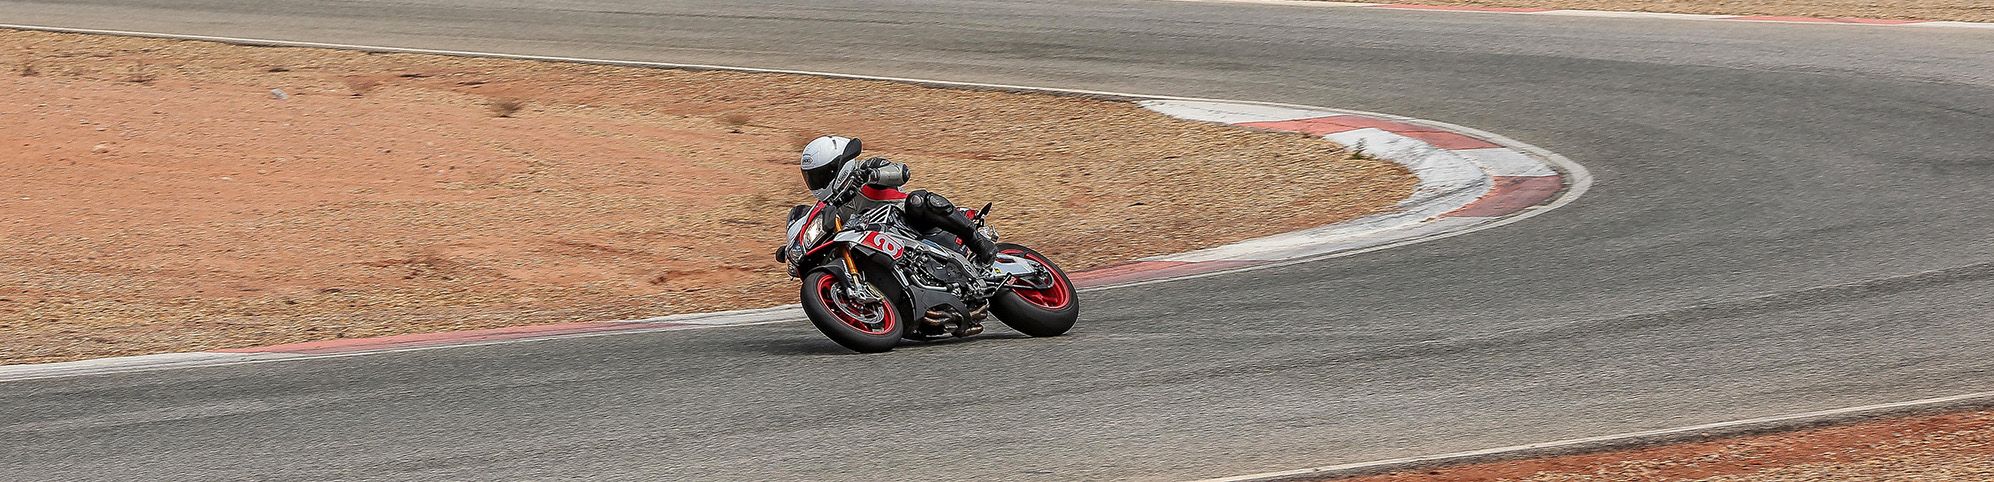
[853, 314]
[1052, 298]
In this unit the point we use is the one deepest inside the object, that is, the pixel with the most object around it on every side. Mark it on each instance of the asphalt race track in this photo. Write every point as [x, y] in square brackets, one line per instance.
[1785, 218]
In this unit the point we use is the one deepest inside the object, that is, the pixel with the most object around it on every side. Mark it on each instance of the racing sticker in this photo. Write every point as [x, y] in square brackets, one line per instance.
[883, 243]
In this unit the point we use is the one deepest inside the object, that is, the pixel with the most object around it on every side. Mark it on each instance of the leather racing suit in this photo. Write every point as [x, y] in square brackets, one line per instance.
[876, 182]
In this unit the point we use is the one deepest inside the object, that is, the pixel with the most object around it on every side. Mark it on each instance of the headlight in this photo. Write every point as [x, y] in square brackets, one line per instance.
[814, 233]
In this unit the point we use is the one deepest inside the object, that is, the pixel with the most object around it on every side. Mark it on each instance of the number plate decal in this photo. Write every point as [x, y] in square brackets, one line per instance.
[883, 243]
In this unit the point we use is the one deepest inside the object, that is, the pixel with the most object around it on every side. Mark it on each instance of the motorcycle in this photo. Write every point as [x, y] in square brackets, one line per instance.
[871, 281]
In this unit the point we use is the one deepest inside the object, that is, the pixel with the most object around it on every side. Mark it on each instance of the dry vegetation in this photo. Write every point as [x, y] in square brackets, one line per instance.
[506, 107]
[171, 196]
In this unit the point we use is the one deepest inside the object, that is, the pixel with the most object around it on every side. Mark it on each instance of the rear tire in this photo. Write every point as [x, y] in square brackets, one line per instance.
[1048, 312]
[864, 328]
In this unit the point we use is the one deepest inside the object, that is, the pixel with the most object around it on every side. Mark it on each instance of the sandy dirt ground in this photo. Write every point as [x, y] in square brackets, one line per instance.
[167, 196]
[1961, 10]
[1934, 448]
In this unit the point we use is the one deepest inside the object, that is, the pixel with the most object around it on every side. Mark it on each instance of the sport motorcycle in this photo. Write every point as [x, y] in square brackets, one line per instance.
[871, 281]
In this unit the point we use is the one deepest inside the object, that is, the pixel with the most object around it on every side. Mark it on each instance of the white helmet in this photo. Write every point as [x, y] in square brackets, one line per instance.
[824, 157]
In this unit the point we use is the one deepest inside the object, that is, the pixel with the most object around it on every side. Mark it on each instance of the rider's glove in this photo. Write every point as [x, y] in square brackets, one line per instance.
[888, 175]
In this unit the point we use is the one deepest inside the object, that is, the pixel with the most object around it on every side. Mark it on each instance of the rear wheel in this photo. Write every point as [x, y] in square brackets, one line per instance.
[866, 327]
[1037, 312]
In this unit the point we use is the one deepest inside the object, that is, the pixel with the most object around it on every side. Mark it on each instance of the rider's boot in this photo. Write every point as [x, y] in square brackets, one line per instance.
[981, 249]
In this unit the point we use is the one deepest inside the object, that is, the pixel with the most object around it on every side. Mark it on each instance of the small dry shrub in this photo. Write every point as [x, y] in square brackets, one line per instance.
[360, 85]
[139, 74]
[505, 107]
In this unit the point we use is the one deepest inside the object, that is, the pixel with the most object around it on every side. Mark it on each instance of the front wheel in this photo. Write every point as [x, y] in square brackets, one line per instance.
[865, 327]
[1037, 312]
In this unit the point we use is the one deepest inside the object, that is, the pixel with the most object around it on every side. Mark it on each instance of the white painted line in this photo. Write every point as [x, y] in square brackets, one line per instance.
[1329, 239]
[1294, 3]
[1613, 14]
[1989, 26]
[132, 364]
[1231, 112]
[167, 361]
[1619, 437]
[161, 361]
[1749, 19]
[1506, 162]
[733, 317]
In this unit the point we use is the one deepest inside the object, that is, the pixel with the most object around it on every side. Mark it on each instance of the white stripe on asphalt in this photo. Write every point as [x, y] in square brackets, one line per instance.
[1613, 14]
[1231, 112]
[732, 317]
[160, 361]
[131, 364]
[1386, 229]
[1506, 162]
[1308, 3]
[1952, 24]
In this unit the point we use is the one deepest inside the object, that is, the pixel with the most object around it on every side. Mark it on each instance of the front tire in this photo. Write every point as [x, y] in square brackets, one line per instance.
[862, 327]
[1047, 312]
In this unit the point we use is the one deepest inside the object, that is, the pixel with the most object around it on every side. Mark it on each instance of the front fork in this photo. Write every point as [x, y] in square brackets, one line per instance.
[853, 280]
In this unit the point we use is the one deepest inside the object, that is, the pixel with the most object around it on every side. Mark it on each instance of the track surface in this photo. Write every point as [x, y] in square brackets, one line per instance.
[1767, 198]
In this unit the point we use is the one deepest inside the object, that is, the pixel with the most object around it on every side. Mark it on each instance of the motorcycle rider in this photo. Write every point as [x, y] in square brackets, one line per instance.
[835, 175]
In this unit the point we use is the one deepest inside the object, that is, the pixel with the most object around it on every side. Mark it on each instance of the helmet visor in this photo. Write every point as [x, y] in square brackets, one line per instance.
[821, 177]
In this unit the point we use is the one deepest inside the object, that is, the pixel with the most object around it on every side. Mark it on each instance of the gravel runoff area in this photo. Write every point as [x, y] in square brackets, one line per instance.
[1960, 10]
[164, 196]
[1955, 446]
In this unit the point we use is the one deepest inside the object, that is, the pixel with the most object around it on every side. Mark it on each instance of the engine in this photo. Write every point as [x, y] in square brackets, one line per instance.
[938, 271]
